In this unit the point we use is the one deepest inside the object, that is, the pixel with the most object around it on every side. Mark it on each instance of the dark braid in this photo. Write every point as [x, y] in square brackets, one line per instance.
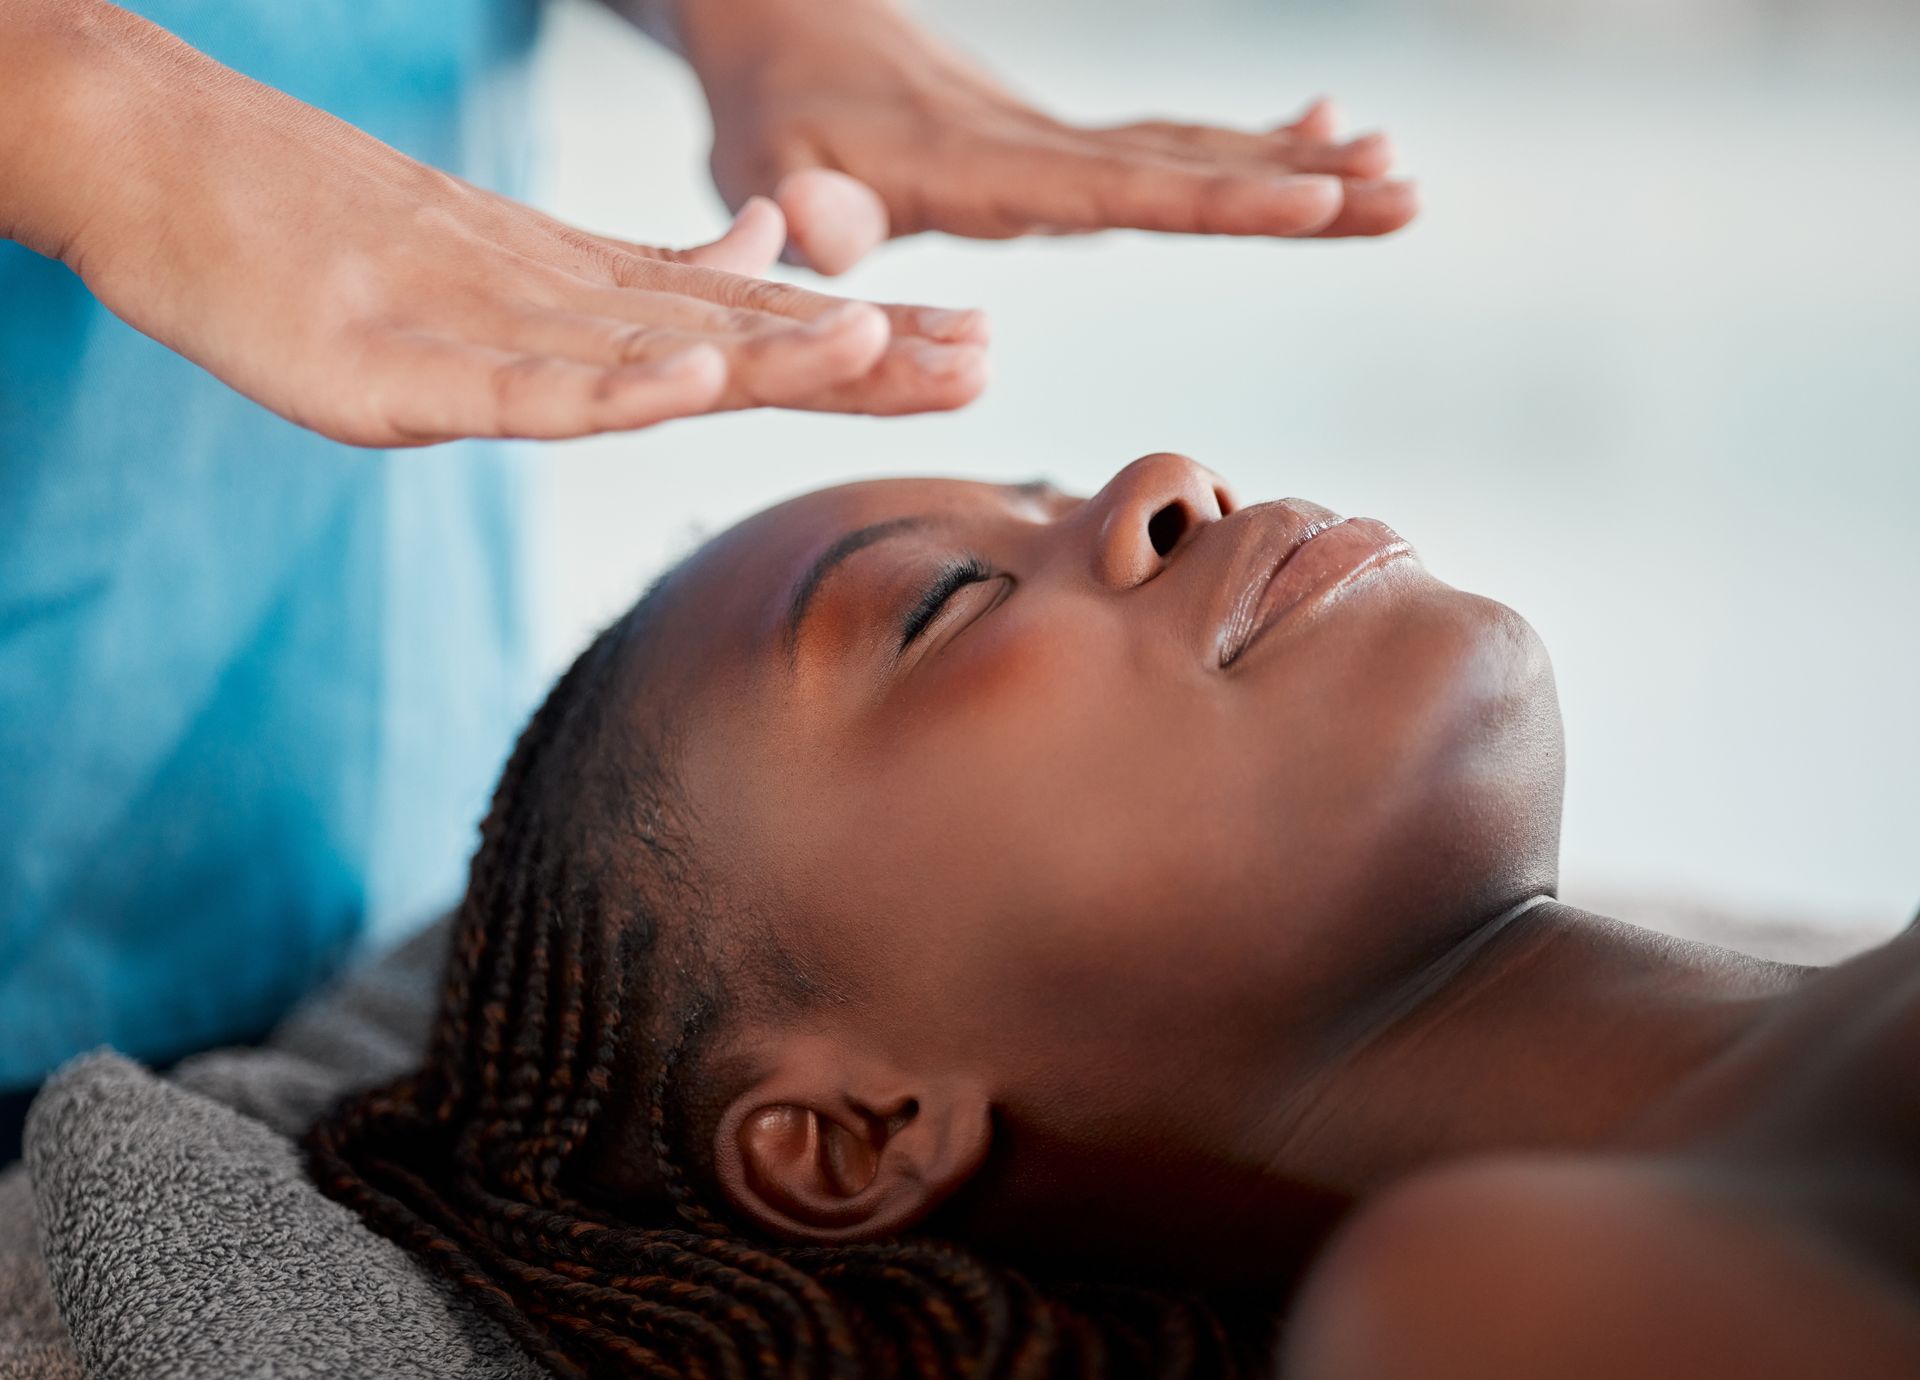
[555, 974]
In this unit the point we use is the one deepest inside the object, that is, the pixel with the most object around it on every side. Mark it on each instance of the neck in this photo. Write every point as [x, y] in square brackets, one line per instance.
[1540, 1028]
[1544, 1028]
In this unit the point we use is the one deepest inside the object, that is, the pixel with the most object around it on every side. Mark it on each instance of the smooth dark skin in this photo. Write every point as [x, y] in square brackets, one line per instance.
[1122, 954]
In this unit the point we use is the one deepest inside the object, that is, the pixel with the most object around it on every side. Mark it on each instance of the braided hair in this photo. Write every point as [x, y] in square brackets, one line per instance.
[571, 1016]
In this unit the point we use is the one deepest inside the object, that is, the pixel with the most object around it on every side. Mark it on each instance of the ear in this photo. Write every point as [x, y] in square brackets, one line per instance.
[834, 1145]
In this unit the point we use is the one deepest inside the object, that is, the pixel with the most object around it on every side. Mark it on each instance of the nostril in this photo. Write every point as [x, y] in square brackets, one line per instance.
[1166, 527]
[1223, 501]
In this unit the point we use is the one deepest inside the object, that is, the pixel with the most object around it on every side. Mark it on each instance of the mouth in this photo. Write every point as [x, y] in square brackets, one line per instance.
[1299, 557]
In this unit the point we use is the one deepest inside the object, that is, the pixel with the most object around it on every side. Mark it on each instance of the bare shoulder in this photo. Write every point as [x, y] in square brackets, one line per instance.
[1588, 1267]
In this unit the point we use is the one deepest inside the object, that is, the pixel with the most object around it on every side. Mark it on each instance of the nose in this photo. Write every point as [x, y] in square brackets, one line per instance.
[1150, 510]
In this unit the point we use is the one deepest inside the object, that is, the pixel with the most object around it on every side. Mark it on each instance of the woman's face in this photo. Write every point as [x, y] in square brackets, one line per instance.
[1105, 801]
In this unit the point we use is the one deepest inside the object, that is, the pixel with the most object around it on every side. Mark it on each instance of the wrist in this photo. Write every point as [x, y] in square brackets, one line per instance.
[729, 43]
[65, 66]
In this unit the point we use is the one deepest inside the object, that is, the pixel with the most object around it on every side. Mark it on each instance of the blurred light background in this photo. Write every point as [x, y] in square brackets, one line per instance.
[1647, 369]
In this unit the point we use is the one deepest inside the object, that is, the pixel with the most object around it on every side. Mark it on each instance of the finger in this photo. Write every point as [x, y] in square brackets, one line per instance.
[1075, 191]
[1370, 205]
[751, 245]
[1374, 208]
[949, 325]
[915, 375]
[1370, 155]
[682, 311]
[700, 303]
[833, 220]
[1321, 120]
[436, 390]
[794, 367]
[699, 283]
[784, 364]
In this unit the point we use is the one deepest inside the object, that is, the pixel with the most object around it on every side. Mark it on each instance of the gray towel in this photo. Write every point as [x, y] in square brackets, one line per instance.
[182, 1238]
[178, 1235]
[33, 1340]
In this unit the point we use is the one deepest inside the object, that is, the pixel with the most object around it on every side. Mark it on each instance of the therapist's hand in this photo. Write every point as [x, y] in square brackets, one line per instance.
[862, 126]
[382, 303]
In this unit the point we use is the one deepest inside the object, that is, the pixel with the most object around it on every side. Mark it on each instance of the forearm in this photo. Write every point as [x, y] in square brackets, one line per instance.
[125, 142]
[82, 84]
[52, 53]
[714, 36]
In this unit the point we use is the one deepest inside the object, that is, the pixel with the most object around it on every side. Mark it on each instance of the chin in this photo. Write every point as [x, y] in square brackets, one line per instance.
[1485, 817]
[1450, 768]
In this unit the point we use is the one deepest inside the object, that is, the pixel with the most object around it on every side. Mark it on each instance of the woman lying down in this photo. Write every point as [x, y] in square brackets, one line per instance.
[958, 930]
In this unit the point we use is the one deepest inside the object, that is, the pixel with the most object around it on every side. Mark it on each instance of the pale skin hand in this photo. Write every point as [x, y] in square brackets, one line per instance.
[862, 126]
[382, 303]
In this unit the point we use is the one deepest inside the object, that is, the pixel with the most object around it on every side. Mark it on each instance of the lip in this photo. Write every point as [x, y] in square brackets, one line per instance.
[1300, 557]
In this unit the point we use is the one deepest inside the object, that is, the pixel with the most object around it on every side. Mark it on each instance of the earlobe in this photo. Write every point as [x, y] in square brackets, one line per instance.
[828, 1151]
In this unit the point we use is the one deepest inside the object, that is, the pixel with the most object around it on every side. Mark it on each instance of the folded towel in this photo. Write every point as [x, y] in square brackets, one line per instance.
[33, 1340]
[182, 1239]
[179, 1236]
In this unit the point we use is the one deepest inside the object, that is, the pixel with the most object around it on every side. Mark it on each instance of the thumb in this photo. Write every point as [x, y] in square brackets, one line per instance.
[833, 220]
[751, 244]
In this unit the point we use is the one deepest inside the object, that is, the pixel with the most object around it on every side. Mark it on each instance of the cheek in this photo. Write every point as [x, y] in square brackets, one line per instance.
[1072, 819]
[1020, 805]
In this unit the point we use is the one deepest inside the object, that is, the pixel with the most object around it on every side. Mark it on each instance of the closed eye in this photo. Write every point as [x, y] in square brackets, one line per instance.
[953, 577]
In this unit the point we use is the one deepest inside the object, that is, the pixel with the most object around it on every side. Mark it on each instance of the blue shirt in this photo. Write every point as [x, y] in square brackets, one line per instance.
[254, 685]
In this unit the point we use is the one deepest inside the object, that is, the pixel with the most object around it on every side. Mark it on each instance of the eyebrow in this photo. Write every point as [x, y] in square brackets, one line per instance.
[809, 583]
[829, 560]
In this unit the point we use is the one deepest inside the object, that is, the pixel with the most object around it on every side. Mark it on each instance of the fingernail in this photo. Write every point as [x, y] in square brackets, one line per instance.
[941, 323]
[939, 360]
